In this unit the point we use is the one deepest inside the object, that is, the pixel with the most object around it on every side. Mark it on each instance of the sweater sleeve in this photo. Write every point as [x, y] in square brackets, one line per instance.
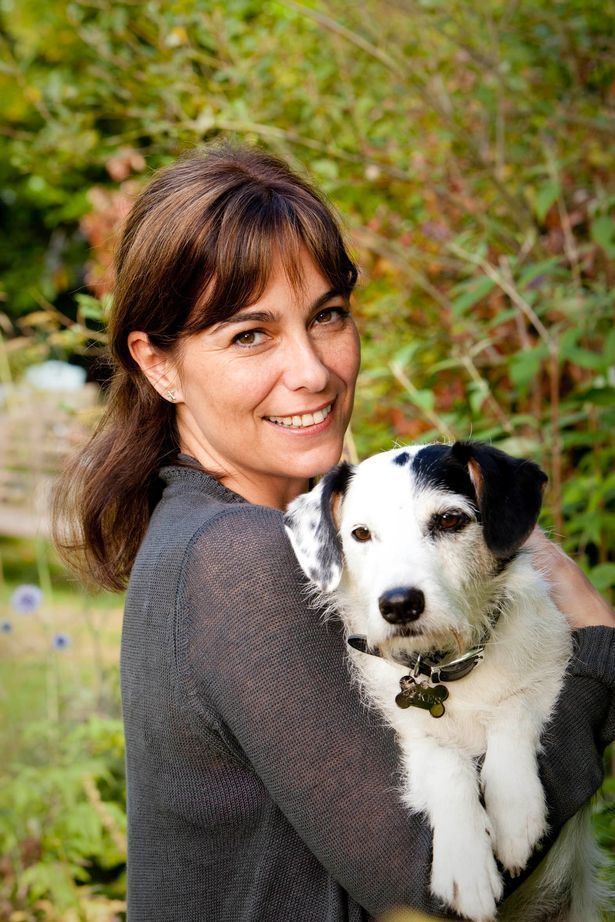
[261, 655]
[594, 661]
[582, 725]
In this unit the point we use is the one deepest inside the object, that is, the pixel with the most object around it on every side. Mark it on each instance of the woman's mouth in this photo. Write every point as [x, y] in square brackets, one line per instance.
[302, 421]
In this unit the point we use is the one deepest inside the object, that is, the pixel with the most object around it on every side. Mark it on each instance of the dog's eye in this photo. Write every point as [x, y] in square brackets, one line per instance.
[451, 521]
[361, 533]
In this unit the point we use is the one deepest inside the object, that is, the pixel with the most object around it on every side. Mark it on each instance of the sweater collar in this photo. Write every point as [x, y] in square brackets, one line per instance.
[190, 474]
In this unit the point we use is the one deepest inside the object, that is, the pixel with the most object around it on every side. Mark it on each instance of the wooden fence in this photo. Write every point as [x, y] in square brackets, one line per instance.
[37, 432]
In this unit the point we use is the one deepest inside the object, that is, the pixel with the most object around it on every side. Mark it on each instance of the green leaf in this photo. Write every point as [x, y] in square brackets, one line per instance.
[534, 270]
[407, 352]
[423, 399]
[91, 308]
[603, 576]
[470, 293]
[603, 233]
[545, 197]
[585, 358]
[325, 169]
[445, 365]
[477, 391]
[524, 366]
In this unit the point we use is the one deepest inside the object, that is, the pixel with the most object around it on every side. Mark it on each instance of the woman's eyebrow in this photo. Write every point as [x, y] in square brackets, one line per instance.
[269, 317]
[242, 316]
[332, 293]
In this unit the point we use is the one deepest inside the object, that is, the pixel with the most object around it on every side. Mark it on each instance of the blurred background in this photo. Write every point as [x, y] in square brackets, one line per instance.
[468, 148]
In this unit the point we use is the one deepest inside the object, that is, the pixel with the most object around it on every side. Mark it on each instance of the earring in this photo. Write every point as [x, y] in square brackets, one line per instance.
[171, 396]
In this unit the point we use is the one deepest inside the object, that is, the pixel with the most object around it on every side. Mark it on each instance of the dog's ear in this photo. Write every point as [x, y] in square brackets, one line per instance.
[508, 492]
[312, 527]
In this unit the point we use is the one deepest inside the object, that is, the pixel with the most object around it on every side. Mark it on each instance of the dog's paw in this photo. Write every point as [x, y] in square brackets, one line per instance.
[464, 874]
[519, 820]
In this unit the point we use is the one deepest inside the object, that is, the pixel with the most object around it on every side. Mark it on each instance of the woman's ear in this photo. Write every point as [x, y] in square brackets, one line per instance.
[156, 365]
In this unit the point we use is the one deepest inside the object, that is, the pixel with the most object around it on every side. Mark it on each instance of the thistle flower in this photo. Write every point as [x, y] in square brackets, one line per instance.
[61, 641]
[6, 627]
[26, 599]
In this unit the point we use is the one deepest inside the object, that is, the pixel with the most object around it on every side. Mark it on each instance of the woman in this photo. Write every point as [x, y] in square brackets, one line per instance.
[259, 788]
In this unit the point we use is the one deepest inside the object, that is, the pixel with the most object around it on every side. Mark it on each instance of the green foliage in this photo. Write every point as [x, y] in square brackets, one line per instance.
[467, 147]
[62, 817]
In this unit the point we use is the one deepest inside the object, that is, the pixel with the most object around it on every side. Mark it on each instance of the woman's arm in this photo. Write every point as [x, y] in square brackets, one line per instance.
[264, 660]
[592, 620]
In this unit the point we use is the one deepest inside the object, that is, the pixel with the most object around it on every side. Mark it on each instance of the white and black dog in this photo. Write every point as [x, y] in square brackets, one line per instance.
[455, 638]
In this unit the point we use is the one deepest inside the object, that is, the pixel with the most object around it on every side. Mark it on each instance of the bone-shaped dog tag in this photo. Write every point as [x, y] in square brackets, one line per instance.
[429, 698]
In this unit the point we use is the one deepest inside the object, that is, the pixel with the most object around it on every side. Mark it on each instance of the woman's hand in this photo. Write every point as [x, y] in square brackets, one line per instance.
[570, 589]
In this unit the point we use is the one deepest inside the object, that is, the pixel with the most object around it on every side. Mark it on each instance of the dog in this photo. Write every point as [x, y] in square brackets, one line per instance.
[453, 636]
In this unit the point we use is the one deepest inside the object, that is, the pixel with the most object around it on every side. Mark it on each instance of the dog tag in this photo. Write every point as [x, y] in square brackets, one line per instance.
[429, 698]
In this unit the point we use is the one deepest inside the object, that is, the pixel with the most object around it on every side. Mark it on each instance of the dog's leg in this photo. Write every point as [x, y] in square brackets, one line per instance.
[514, 797]
[564, 887]
[443, 783]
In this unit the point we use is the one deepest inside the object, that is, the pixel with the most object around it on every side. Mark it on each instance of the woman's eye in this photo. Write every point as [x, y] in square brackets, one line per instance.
[451, 521]
[331, 315]
[361, 533]
[249, 338]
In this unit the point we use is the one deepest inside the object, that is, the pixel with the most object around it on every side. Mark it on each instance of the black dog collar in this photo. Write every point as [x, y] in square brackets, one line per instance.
[429, 697]
[430, 666]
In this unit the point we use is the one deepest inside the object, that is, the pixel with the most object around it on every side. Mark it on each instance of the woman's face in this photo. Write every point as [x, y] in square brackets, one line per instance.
[265, 397]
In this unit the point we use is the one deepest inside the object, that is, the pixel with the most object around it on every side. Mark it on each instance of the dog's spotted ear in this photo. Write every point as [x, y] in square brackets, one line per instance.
[508, 493]
[312, 525]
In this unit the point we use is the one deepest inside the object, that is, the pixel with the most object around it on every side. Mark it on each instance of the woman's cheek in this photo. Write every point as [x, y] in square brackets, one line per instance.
[354, 352]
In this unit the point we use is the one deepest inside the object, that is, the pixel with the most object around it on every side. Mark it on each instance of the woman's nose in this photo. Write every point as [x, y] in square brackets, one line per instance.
[305, 368]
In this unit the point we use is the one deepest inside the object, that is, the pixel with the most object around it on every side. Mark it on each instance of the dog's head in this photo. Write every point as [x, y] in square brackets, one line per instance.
[410, 541]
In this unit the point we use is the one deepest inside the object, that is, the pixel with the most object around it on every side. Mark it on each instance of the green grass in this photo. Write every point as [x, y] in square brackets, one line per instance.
[61, 823]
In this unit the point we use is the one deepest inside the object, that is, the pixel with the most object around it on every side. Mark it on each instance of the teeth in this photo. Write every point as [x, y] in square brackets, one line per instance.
[301, 422]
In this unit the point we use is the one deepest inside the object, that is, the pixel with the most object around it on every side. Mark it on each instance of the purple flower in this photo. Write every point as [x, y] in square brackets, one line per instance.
[6, 627]
[61, 641]
[26, 599]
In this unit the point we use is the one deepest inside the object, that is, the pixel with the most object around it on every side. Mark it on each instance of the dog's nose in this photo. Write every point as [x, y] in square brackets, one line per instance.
[397, 606]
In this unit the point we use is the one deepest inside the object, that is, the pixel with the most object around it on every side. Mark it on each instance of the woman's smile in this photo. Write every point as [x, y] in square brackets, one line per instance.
[307, 422]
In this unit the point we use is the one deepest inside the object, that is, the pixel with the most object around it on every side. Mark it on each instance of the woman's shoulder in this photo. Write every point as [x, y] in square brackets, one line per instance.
[197, 511]
[244, 531]
[240, 574]
[204, 546]
[194, 509]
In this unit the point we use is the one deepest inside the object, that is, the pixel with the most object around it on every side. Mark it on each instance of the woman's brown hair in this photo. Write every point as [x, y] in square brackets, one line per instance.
[198, 245]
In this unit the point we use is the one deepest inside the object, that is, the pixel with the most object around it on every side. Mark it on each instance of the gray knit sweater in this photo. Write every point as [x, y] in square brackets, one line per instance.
[260, 789]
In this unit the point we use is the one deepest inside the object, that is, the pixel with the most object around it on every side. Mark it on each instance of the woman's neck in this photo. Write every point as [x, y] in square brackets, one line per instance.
[263, 490]
[276, 494]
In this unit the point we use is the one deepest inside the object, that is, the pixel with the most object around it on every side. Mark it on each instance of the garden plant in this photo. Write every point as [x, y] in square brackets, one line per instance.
[468, 148]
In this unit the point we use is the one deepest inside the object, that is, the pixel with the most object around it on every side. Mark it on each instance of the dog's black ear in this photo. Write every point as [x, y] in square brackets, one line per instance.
[508, 492]
[311, 525]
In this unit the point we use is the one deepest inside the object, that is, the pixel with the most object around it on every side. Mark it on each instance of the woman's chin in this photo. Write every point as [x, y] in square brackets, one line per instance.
[317, 463]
